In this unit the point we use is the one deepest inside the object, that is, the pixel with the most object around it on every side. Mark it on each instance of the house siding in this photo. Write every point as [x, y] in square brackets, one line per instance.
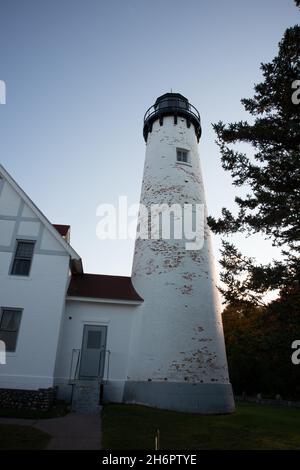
[31, 366]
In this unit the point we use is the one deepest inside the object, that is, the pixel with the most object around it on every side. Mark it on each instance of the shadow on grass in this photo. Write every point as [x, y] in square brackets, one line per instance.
[14, 437]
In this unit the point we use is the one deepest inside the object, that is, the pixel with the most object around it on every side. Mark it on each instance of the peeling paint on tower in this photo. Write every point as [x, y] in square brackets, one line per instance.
[177, 346]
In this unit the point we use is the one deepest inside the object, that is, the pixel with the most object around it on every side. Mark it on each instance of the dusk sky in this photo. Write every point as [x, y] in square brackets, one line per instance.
[80, 76]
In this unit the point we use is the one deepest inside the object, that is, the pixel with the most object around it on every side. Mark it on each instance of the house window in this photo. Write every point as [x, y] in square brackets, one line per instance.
[23, 257]
[182, 156]
[9, 327]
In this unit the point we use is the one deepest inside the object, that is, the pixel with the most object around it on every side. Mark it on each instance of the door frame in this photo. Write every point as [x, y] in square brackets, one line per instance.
[103, 325]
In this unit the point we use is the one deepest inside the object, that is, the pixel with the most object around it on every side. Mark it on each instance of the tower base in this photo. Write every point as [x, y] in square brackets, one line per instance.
[200, 398]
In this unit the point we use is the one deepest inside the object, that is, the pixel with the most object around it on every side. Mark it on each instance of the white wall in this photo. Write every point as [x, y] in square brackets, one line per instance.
[178, 335]
[118, 318]
[41, 295]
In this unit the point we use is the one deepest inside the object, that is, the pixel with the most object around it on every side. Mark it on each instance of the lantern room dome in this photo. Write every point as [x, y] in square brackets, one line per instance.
[172, 104]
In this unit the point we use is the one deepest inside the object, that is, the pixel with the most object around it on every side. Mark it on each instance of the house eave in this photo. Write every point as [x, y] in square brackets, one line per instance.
[104, 301]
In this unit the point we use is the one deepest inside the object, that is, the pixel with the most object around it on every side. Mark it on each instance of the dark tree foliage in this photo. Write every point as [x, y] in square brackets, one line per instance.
[258, 334]
[272, 206]
[258, 344]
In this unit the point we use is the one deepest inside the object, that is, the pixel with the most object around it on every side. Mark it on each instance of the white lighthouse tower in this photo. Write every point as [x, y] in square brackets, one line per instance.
[177, 355]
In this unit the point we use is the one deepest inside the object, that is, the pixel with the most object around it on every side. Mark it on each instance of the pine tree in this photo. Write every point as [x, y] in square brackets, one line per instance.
[272, 206]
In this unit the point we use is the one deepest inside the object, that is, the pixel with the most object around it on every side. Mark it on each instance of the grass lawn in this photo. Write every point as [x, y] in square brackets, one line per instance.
[250, 427]
[14, 437]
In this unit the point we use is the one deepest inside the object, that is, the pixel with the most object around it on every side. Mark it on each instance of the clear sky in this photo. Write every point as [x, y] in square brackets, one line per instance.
[81, 73]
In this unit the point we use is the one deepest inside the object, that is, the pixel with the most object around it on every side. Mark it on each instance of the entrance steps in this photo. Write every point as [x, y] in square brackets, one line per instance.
[86, 396]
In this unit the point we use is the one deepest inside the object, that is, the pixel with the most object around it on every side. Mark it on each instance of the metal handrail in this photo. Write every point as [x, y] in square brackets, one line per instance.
[78, 351]
[105, 351]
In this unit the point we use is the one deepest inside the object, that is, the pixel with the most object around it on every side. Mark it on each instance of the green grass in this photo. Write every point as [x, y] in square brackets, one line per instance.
[14, 437]
[250, 427]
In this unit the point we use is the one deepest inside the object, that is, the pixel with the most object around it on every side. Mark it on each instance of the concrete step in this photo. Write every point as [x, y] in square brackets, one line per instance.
[86, 396]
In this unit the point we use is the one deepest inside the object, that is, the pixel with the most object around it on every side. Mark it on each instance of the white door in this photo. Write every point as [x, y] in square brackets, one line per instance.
[93, 352]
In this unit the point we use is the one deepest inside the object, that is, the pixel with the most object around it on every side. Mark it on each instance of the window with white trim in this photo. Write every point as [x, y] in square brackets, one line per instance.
[23, 258]
[10, 319]
[182, 156]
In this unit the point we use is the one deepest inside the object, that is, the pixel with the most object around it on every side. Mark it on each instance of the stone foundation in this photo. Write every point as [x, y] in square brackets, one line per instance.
[18, 399]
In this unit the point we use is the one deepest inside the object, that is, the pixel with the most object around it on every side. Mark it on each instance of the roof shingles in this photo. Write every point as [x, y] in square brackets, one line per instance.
[100, 286]
[62, 229]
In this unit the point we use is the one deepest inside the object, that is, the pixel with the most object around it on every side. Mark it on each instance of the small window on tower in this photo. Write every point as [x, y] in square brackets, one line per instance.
[182, 156]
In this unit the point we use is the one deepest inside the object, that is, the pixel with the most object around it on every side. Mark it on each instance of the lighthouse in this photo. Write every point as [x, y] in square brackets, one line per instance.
[177, 357]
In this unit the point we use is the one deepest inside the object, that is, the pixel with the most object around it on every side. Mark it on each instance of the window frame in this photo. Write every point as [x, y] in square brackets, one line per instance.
[16, 258]
[19, 311]
[185, 151]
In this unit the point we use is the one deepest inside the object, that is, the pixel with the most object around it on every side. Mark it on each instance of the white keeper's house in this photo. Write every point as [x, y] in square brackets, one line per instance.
[154, 338]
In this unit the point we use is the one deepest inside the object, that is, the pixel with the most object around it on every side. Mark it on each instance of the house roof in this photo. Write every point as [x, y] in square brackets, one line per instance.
[62, 229]
[100, 286]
